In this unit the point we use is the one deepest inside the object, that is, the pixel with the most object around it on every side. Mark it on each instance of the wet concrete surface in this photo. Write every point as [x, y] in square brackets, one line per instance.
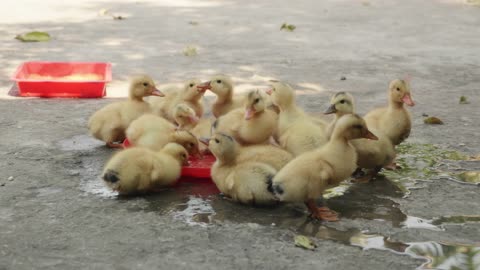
[55, 212]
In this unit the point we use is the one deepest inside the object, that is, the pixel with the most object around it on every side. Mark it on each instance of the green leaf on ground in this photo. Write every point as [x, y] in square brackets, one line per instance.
[304, 242]
[470, 177]
[432, 120]
[288, 27]
[34, 36]
[190, 50]
[463, 100]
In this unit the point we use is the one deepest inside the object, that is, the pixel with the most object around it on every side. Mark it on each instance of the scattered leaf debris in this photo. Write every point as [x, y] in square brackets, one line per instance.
[304, 242]
[118, 17]
[288, 27]
[463, 100]
[432, 120]
[424, 115]
[190, 50]
[343, 78]
[34, 36]
[193, 23]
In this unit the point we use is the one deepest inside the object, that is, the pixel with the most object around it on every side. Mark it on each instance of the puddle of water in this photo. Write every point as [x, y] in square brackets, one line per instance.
[456, 219]
[198, 204]
[420, 163]
[198, 211]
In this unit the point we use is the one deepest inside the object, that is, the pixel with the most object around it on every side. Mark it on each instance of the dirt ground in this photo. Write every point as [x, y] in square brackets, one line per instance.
[56, 214]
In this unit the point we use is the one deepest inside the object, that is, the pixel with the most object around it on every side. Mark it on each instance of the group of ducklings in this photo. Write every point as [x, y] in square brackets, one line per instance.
[267, 149]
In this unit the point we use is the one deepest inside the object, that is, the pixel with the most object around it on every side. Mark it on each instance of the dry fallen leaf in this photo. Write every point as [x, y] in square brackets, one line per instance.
[304, 242]
[473, 2]
[432, 120]
[190, 50]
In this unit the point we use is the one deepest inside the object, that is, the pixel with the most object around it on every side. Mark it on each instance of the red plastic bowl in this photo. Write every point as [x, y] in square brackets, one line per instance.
[63, 79]
[198, 168]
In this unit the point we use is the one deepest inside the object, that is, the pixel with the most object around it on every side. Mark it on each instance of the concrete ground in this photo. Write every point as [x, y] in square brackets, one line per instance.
[56, 214]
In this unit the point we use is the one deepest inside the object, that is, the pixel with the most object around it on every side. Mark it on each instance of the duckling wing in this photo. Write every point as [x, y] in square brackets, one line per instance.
[251, 183]
[305, 177]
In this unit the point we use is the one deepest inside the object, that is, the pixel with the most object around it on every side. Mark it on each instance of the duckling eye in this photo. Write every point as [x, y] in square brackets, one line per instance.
[398, 88]
[256, 100]
[191, 85]
[145, 84]
[184, 155]
[191, 144]
[358, 126]
[219, 81]
[217, 141]
[342, 101]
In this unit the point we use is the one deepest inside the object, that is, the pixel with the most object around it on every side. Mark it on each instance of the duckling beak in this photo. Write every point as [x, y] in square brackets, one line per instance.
[330, 109]
[205, 141]
[407, 99]
[249, 113]
[204, 86]
[269, 91]
[369, 135]
[157, 92]
[193, 119]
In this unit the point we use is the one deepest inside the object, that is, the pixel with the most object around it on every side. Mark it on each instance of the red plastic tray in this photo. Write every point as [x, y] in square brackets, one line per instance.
[63, 79]
[198, 168]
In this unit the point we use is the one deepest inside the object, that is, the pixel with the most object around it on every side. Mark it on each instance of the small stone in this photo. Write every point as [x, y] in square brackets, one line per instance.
[343, 78]
[424, 115]
[10, 178]
[2, 184]
[461, 144]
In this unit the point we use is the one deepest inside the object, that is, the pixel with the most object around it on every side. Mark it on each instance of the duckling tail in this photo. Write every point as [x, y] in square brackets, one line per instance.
[275, 189]
[111, 176]
[270, 184]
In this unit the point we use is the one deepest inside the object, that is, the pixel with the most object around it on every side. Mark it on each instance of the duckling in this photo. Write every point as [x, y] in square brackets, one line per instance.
[139, 170]
[296, 131]
[264, 153]
[188, 94]
[185, 116]
[372, 154]
[247, 182]
[154, 132]
[394, 120]
[306, 177]
[252, 125]
[109, 123]
[222, 86]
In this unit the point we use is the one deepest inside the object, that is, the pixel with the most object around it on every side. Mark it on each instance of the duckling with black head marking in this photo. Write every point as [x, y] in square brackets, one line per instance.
[139, 170]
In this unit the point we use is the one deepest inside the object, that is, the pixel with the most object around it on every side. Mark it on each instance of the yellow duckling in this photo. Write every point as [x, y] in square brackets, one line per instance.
[188, 94]
[372, 154]
[222, 86]
[394, 120]
[185, 116]
[306, 177]
[154, 132]
[252, 125]
[139, 170]
[247, 182]
[263, 153]
[296, 131]
[109, 123]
